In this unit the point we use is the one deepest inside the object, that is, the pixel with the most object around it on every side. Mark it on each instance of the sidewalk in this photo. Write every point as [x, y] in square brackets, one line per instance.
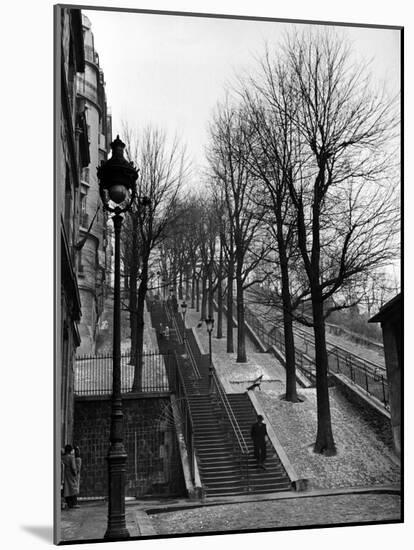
[159, 517]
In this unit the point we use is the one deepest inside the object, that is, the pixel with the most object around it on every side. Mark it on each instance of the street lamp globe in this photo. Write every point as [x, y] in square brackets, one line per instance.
[209, 324]
[117, 193]
[117, 179]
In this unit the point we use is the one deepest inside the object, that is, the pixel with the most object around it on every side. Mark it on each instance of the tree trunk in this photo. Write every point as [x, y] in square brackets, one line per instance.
[290, 366]
[291, 391]
[210, 292]
[187, 283]
[142, 292]
[133, 287]
[324, 439]
[241, 337]
[180, 285]
[230, 275]
[193, 280]
[220, 294]
[204, 297]
[197, 293]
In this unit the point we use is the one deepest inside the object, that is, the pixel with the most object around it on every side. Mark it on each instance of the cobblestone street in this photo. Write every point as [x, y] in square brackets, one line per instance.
[293, 512]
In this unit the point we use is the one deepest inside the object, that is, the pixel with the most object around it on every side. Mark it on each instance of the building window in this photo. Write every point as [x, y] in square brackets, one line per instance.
[80, 265]
[85, 174]
[83, 213]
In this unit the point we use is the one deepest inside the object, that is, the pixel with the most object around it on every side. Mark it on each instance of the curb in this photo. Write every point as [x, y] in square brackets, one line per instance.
[387, 489]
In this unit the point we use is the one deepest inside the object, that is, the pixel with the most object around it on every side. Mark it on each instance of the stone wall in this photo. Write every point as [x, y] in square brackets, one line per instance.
[153, 464]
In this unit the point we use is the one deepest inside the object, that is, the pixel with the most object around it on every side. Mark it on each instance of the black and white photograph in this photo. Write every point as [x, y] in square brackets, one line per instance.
[228, 281]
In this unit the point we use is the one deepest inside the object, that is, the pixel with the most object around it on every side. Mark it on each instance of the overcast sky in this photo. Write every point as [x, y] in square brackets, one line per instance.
[171, 70]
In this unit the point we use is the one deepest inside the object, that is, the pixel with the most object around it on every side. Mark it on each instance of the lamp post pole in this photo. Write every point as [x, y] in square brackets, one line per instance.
[117, 455]
[210, 325]
[184, 311]
[117, 179]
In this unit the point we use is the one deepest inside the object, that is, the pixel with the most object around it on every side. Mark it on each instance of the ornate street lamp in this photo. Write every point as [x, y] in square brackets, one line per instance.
[117, 179]
[184, 311]
[210, 325]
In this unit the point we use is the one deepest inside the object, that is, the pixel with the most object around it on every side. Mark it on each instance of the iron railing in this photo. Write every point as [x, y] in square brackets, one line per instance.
[178, 325]
[93, 373]
[182, 397]
[236, 432]
[374, 383]
[360, 362]
[362, 372]
[365, 374]
[303, 362]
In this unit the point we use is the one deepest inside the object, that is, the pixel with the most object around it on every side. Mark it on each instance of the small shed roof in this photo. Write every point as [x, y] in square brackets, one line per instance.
[390, 310]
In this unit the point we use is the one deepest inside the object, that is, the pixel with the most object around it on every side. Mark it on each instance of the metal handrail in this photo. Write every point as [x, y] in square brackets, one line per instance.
[334, 347]
[277, 339]
[189, 431]
[172, 318]
[357, 370]
[192, 359]
[229, 411]
[241, 442]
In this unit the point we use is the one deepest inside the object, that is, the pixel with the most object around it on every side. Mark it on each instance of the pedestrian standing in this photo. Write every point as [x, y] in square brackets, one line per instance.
[78, 462]
[69, 477]
[258, 434]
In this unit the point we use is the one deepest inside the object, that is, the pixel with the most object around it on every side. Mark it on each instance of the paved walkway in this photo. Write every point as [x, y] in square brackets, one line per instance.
[89, 522]
[237, 376]
[317, 510]
[160, 517]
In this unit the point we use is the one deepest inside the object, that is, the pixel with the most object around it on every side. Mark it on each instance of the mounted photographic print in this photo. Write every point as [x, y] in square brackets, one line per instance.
[228, 280]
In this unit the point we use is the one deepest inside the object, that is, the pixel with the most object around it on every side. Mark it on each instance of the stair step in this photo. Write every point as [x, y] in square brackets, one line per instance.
[215, 446]
[206, 468]
[223, 483]
[215, 454]
[225, 479]
[207, 434]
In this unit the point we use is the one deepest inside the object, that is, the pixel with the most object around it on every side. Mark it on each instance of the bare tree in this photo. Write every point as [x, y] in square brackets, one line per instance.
[275, 157]
[345, 200]
[162, 169]
[227, 155]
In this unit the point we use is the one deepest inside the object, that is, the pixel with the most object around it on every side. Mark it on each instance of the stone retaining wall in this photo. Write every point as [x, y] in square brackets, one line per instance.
[153, 464]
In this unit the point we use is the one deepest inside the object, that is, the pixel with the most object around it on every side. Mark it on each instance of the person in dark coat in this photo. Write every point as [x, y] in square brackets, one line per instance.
[69, 477]
[258, 434]
[78, 462]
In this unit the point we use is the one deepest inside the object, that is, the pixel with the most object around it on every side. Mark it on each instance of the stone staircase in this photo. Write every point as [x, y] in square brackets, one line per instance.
[223, 469]
[274, 478]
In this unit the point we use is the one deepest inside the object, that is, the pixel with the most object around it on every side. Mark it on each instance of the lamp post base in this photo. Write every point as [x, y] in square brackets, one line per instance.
[116, 528]
[115, 532]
